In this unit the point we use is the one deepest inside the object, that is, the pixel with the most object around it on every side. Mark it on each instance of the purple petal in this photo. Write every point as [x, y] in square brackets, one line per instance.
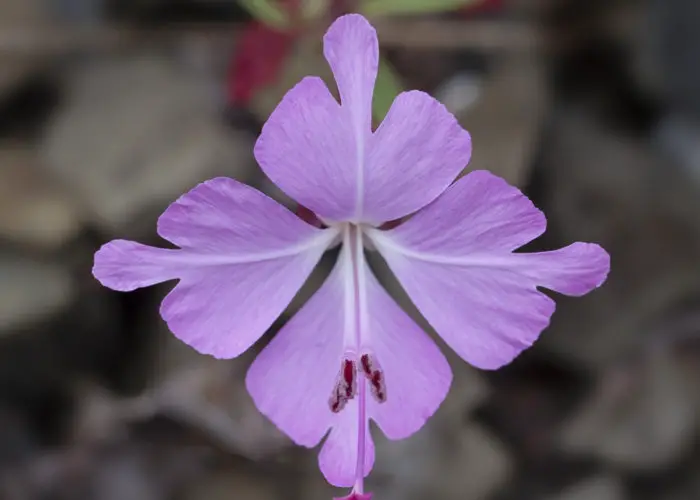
[486, 314]
[308, 149]
[243, 259]
[338, 457]
[574, 270]
[224, 309]
[454, 259]
[325, 156]
[352, 50]
[126, 265]
[480, 213]
[414, 155]
[311, 146]
[225, 217]
[292, 379]
[416, 373]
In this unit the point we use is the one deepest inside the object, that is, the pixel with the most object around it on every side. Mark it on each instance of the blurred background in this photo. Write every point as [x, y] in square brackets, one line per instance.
[110, 109]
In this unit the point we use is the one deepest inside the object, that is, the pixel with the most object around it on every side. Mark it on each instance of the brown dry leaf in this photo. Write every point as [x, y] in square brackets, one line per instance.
[197, 391]
[617, 191]
[602, 487]
[506, 118]
[642, 418]
[30, 15]
[34, 211]
[134, 134]
[210, 395]
[230, 484]
[31, 290]
[441, 460]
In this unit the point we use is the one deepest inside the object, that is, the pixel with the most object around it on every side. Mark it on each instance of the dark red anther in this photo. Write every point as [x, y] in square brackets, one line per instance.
[337, 401]
[373, 372]
[345, 386]
[366, 365]
[349, 377]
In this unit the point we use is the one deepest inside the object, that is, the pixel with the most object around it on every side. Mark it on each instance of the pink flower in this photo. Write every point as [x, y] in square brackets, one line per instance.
[351, 354]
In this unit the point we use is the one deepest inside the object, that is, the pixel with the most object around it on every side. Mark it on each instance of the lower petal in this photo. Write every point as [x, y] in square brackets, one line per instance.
[338, 457]
[292, 379]
[417, 375]
[295, 376]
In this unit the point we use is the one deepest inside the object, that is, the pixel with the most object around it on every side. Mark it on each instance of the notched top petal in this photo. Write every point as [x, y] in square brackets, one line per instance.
[352, 51]
[355, 355]
[325, 155]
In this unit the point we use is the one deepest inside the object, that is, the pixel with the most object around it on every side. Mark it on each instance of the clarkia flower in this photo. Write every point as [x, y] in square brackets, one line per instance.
[351, 355]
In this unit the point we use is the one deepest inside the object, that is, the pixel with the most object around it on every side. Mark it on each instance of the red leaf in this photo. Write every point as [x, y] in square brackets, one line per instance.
[483, 7]
[258, 60]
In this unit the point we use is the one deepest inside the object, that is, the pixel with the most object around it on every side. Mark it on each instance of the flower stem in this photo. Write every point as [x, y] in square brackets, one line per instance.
[357, 253]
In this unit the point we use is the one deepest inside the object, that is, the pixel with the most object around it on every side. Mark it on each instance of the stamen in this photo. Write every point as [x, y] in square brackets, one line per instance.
[349, 377]
[345, 386]
[375, 375]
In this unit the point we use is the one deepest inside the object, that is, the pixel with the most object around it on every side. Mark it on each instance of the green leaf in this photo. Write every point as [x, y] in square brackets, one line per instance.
[387, 7]
[388, 86]
[266, 11]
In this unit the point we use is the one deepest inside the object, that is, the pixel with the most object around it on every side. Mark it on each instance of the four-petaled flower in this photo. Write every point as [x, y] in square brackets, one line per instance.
[351, 354]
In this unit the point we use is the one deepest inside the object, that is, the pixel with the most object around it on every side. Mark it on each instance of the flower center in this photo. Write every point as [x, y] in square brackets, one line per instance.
[345, 387]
